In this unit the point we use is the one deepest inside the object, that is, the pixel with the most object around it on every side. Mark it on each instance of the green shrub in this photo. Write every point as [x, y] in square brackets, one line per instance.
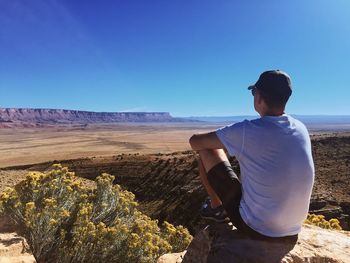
[66, 222]
[320, 221]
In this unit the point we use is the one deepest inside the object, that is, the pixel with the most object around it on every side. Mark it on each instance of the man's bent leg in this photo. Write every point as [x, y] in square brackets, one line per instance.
[215, 200]
[221, 179]
[210, 158]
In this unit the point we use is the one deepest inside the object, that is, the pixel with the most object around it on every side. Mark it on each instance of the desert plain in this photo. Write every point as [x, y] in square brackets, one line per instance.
[22, 146]
[19, 146]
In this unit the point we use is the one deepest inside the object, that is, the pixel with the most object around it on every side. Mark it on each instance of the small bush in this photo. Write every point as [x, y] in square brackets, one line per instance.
[320, 221]
[66, 222]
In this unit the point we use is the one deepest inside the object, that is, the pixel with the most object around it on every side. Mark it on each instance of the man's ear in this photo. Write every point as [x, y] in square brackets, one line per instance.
[259, 99]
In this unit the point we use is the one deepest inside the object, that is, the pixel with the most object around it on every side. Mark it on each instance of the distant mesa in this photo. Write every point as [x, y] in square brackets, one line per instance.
[36, 117]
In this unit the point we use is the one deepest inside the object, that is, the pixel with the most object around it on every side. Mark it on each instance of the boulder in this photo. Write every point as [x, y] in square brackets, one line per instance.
[171, 258]
[13, 249]
[224, 243]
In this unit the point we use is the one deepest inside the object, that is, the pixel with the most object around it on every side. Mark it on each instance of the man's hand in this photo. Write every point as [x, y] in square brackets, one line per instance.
[205, 141]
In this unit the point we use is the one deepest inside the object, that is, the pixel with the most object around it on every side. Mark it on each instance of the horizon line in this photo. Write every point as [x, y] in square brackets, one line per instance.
[177, 116]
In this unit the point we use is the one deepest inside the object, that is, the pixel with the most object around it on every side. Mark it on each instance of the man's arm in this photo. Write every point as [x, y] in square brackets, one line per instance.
[205, 141]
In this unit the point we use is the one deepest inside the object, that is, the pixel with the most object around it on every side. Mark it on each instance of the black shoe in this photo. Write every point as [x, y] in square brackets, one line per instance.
[217, 214]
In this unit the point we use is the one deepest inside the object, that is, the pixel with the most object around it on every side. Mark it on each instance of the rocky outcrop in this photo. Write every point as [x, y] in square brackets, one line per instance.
[223, 243]
[171, 258]
[13, 249]
[53, 116]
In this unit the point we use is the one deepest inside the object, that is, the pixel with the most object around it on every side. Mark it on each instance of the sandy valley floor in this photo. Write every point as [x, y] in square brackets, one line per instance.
[34, 145]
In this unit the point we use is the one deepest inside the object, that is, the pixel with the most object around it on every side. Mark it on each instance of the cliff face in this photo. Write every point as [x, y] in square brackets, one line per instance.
[54, 116]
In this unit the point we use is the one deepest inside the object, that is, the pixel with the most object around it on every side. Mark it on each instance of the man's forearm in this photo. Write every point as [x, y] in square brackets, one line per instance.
[205, 141]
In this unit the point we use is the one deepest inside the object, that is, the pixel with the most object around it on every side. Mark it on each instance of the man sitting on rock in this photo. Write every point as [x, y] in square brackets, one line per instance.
[271, 197]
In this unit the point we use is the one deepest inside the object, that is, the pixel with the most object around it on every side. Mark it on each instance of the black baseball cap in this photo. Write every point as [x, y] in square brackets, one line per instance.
[275, 83]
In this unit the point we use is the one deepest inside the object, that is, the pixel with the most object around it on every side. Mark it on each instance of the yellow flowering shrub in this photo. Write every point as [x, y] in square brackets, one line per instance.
[66, 222]
[320, 221]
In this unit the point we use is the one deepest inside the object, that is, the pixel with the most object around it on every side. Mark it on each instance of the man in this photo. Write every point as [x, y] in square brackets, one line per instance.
[271, 197]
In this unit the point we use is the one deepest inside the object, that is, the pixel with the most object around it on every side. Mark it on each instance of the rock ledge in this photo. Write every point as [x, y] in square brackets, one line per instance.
[223, 243]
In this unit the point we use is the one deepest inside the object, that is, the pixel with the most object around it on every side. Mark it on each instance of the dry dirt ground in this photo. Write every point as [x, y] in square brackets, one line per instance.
[20, 146]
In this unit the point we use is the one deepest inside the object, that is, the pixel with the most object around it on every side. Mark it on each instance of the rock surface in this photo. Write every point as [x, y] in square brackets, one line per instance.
[12, 249]
[172, 258]
[15, 116]
[223, 243]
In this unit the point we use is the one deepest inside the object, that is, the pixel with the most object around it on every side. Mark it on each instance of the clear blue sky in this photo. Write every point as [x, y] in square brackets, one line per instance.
[182, 56]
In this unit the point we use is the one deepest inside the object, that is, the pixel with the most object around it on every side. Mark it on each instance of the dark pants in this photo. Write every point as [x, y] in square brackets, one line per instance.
[227, 186]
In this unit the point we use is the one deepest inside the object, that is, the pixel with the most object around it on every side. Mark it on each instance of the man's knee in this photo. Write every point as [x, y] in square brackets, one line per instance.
[211, 157]
[212, 154]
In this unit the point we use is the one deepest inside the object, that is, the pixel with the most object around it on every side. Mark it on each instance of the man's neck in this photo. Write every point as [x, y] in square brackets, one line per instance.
[272, 113]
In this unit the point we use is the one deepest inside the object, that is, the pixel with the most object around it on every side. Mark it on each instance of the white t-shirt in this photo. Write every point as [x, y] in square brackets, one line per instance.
[277, 172]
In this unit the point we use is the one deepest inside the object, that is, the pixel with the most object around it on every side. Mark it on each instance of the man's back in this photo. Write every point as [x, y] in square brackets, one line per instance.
[277, 172]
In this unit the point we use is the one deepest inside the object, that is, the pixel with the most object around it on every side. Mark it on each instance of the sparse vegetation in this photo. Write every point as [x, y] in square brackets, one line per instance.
[65, 222]
[320, 221]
